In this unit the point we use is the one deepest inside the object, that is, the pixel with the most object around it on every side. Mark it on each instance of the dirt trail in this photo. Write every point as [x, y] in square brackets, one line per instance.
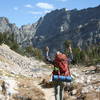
[49, 92]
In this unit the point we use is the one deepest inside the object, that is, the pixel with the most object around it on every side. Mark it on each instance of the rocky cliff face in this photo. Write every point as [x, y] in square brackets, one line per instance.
[80, 26]
[26, 34]
[22, 35]
[6, 26]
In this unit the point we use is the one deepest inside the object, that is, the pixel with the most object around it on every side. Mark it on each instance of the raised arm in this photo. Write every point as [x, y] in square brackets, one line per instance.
[47, 55]
[70, 53]
[70, 48]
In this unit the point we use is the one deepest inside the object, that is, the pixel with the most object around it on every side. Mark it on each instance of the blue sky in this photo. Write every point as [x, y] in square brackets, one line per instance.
[29, 11]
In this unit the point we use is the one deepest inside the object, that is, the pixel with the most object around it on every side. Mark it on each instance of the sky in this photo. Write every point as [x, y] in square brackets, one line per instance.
[23, 12]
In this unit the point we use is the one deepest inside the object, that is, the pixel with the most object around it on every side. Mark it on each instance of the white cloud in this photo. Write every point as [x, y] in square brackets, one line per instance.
[47, 11]
[16, 8]
[44, 5]
[28, 6]
[36, 12]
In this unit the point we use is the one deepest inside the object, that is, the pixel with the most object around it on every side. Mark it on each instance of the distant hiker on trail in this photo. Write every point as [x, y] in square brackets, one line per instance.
[60, 71]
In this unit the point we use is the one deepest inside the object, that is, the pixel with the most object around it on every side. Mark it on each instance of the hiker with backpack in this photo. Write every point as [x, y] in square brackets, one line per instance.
[61, 72]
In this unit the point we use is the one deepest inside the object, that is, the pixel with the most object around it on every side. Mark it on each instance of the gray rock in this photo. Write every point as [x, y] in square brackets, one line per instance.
[17, 64]
[22, 35]
[74, 92]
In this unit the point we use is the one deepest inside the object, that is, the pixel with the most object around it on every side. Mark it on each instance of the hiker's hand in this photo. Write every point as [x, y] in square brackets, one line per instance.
[70, 49]
[47, 49]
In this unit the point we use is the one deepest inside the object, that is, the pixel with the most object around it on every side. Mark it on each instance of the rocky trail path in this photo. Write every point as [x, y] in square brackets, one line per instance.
[87, 86]
[29, 74]
[49, 92]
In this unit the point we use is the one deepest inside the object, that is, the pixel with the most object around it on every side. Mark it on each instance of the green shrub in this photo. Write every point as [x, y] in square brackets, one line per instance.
[8, 39]
[38, 53]
[90, 55]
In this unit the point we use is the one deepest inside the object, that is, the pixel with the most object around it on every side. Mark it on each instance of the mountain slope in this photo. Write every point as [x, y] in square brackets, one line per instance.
[21, 65]
[80, 26]
[22, 35]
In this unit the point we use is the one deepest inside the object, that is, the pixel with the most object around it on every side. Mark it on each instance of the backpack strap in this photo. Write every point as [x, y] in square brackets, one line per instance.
[58, 75]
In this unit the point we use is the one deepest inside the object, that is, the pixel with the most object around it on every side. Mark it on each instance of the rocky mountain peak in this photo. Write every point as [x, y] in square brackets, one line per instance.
[57, 26]
[22, 35]
[75, 25]
[4, 20]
